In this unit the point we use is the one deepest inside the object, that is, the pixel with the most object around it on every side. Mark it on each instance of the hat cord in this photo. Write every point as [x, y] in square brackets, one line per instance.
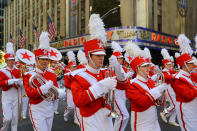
[92, 61]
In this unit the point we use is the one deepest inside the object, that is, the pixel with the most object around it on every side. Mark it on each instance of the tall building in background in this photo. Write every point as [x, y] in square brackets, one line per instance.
[3, 3]
[168, 16]
[69, 16]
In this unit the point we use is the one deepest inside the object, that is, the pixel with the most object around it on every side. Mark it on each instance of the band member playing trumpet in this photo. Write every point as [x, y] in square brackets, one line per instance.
[142, 93]
[9, 83]
[169, 93]
[184, 88]
[120, 94]
[89, 85]
[41, 88]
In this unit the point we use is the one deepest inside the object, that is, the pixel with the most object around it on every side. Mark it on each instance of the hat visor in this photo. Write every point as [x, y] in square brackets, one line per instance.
[99, 53]
[11, 58]
[190, 61]
[169, 63]
[43, 57]
[146, 63]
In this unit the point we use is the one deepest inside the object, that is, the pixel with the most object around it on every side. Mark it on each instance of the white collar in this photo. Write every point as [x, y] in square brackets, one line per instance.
[92, 70]
[184, 73]
[141, 78]
[10, 68]
[165, 69]
[40, 71]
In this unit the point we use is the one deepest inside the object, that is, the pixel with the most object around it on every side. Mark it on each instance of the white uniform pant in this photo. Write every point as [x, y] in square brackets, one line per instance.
[77, 117]
[145, 121]
[120, 107]
[56, 102]
[69, 102]
[10, 109]
[98, 121]
[41, 115]
[187, 115]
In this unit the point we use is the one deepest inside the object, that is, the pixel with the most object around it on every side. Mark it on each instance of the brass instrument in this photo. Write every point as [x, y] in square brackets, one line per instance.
[2, 60]
[110, 98]
[59, 72]
[37, 80]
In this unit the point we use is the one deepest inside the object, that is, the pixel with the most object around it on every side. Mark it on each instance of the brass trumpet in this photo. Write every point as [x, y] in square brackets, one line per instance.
[37, 78]
[110, 98]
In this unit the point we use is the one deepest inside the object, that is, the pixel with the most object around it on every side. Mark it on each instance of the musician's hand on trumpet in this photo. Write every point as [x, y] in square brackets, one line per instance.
[157, 91]
[115, 66]
[46, 87]
[104, 86]
[13, 81]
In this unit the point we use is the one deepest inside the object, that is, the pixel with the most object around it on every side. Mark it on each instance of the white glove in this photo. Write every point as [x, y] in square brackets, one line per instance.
[45, 88]
[157, 91]
[154, 77]
[19, 83]
[114, 65]
[62, 93]
[102, 87]
[13, 81]
[129, 74]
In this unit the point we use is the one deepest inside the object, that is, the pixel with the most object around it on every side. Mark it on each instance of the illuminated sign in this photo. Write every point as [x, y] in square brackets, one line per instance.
[142, 35]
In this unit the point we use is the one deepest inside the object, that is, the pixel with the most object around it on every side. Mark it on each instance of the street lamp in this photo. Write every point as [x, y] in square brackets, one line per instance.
[113, 10]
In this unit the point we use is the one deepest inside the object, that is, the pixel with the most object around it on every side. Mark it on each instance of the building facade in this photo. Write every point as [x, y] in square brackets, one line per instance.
[69, 17]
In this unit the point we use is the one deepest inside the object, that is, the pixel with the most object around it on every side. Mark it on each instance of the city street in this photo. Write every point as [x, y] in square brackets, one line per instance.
[60, 125]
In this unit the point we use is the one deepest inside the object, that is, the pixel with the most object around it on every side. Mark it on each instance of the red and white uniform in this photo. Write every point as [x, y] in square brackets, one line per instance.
[93, 111]
[69, 99]
[171, 97]
[186, 101]
[120, 107]
[143, 109]
[9, 98]
[41, 111]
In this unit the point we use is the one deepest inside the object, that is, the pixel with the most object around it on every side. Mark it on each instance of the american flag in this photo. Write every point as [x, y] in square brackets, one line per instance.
[52, 28]
[22, 39]
[37, 33]
[11, 38]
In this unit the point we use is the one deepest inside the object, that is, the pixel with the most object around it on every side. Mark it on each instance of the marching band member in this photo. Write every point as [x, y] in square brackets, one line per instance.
[170, 95]
[68, 79]
[55, 56]
[126, 64]
[9, 83]
[120, 95]
[89, 84]
[142, 94]
[26, 59]
[185, 88]
[41, 98]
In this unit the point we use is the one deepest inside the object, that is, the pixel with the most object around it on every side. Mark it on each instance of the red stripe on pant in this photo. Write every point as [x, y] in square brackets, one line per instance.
[77, 116]
[135, 122]
[182, 116]
[120, 114]
[32, 118]
[82, 123]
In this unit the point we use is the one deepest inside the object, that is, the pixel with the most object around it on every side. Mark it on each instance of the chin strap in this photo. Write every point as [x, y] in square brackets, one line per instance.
[39, 64]
[142, 73]
[187, 67]
[92, 61]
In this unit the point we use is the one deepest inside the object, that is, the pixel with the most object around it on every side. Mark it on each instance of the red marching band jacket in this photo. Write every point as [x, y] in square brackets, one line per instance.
[7, 74]
[67, 78]
[83, 97]
[140, 98]
[35, 94]
[184, 87]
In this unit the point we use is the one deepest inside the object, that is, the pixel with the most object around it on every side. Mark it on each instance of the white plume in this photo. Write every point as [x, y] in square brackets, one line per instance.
[184, 42]
[147, 53]
[196, 42]
[177, 54]
[71, 56]
[81, 57]
[10, 48]
[96, 28]
[44, 41]
[116, 47]
[172, 58]
[165, 54]
[133, 49]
